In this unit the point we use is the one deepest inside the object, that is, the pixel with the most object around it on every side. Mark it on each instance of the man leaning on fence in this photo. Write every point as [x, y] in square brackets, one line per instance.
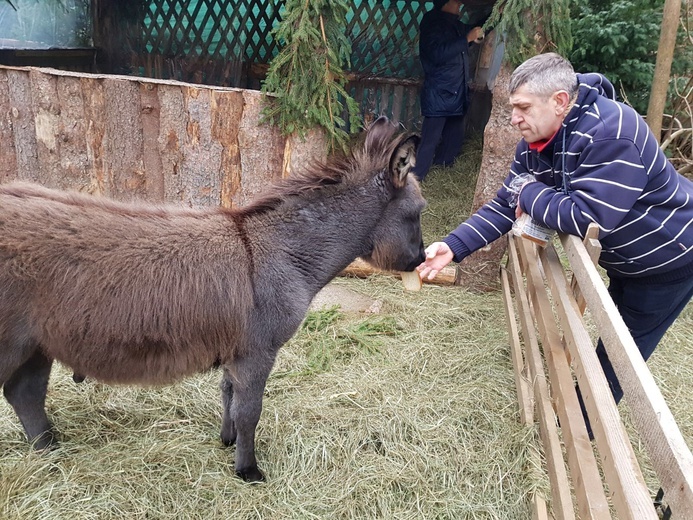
[589, 158]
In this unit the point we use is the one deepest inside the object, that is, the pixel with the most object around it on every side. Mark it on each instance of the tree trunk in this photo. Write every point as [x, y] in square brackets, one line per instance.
[665, 55]
[480, 270]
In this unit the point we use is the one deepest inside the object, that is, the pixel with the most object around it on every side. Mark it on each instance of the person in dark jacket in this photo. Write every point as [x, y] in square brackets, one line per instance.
[590, 158]
[444, 52]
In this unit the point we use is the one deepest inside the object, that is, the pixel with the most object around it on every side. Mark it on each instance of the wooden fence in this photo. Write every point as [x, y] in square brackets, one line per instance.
[137, 138]
[549, 308]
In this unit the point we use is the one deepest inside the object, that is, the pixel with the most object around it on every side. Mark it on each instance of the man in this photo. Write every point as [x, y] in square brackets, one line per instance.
[444, 53]
[592, 159]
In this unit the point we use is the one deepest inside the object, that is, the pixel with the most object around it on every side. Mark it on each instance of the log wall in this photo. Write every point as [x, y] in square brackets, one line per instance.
[136, 138]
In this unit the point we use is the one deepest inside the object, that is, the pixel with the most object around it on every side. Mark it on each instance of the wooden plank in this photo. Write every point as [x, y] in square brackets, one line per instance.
[191, 155]
[171, 132]
[560, 486]
[262, 149]
[227, 112]
[94, 131]
[19, 87]
[524, 395]
[669, 454]
[71, 134]
[200, 174]
[594, 249]
[151, 111]
[46, 111]
[630, 496]
[397, 97]
[8, 114]
[589, 492]
[539, 511]
[123, 161]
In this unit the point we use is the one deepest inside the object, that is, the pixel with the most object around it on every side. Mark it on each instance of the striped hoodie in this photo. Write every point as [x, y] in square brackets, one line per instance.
[603, 166]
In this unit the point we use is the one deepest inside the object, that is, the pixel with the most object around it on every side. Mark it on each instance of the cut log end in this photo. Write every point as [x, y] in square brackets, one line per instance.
[361, 269]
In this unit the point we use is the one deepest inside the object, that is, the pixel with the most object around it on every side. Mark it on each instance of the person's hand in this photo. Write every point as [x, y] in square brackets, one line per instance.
[475, 35]
[518, 209]
[438, 255]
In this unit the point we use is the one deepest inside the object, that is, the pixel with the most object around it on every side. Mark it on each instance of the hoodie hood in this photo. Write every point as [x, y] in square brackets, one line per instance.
[592, 85]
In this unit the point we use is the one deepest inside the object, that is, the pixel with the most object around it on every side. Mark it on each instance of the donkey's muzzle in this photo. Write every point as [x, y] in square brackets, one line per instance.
[417, 260]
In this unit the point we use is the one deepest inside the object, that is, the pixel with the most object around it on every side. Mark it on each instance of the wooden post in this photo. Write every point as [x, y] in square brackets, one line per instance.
[665, 55]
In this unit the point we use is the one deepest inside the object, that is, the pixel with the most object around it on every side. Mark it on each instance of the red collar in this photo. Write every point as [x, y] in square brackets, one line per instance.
[540, 146]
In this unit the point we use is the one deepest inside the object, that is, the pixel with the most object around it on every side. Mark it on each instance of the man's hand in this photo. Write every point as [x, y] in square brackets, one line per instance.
[475, 35]
[438, 255]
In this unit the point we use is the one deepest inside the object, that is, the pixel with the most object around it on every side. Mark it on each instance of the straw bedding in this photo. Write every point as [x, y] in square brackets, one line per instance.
[405, 414]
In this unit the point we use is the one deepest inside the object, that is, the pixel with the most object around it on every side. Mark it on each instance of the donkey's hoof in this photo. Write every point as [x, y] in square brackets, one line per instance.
[44, 442]
[228, 440]
[251, 474]
[78, 378]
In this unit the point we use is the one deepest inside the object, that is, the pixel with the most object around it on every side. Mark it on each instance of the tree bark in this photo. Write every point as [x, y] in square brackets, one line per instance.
[665, 56]
[134, 138]
[480, 270]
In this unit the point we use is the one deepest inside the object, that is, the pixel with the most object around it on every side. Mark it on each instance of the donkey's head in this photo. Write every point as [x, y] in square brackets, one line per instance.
[396, 242]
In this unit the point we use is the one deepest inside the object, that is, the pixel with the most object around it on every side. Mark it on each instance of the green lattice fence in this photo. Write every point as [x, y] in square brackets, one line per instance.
[229, 43]
[383, 33]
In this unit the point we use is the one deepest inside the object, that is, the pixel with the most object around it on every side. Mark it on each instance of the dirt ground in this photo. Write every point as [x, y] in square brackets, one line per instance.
[346, 299]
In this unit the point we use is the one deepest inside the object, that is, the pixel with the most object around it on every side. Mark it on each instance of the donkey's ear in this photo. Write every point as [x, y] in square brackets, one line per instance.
[403, 160]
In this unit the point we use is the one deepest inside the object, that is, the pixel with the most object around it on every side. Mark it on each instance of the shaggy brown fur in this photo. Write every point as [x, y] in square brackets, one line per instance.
[133, 293]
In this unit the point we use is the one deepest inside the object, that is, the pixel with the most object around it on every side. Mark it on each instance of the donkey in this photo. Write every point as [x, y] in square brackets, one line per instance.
[130, 293]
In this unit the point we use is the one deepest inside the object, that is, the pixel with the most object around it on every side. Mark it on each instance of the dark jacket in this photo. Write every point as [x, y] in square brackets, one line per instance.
[604, 166]
[443, 50]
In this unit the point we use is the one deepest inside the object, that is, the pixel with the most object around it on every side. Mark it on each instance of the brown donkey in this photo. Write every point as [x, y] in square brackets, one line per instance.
[140, 294]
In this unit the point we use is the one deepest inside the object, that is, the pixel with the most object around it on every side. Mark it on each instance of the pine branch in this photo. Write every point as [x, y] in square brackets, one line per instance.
[532, 26]
[307, 76]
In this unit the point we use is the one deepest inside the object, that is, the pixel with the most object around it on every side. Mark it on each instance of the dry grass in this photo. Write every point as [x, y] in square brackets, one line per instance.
[408, 414]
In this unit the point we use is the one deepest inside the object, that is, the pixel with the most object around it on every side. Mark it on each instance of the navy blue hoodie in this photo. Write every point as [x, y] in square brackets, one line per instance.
[604, 166]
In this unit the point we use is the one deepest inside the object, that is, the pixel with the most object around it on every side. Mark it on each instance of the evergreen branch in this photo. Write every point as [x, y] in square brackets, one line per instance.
[306, 77]
[532, 26]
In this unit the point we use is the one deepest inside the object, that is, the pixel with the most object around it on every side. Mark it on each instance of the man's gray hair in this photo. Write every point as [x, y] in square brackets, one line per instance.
[545, 74]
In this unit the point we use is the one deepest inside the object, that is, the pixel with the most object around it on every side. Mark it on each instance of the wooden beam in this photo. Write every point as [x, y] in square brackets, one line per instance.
[562, 503]
[362, 269]
[539, 511]
[630, 495]
[668, 451]
[594, 249]
[524, 396]
[589, 492]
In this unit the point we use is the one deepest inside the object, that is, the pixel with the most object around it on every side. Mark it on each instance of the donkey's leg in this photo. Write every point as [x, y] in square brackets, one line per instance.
[228, 426]
[26, 390]
[248, 387]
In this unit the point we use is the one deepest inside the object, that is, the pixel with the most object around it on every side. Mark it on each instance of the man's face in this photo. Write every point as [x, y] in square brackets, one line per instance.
[536, 117]
[453, 6]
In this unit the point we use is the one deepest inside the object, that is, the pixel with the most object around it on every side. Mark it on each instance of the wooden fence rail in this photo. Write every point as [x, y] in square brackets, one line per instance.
[549, 308]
